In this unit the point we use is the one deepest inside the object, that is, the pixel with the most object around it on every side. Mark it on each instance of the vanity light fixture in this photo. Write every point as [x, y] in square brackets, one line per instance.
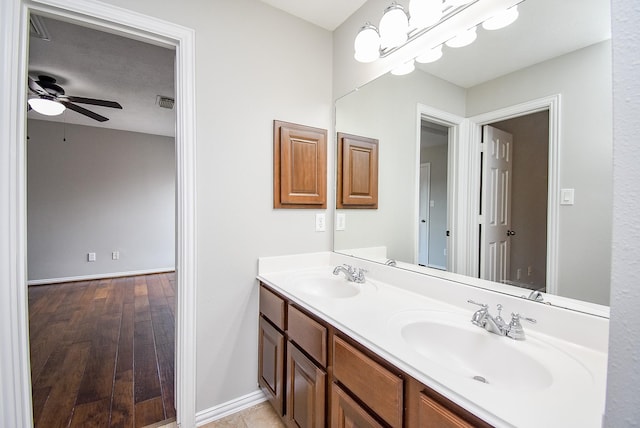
[394, 26]
[502, 19]
[405, 68]
[46, 106]
[367, 44]
[398, 28]
[463, 39]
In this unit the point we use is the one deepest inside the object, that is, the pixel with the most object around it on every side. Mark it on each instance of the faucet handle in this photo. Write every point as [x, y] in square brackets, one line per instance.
[482, 305]
[515, 328]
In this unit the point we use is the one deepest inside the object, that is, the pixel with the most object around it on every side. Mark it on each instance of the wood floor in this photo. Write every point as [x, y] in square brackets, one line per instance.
[102, 352]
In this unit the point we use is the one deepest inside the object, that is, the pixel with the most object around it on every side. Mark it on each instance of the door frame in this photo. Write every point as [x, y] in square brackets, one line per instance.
[15, 388]
[552, 104]
[456, 179]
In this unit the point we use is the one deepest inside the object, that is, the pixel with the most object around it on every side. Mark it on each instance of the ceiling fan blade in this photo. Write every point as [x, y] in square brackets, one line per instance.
[84, 111]
[94, 102]
[35, 87]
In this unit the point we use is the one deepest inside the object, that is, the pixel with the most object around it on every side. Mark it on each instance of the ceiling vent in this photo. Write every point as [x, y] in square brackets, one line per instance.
[38, 29]
[165, 102]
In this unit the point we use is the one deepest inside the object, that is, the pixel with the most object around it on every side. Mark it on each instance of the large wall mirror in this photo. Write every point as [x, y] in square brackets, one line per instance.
[543, 85]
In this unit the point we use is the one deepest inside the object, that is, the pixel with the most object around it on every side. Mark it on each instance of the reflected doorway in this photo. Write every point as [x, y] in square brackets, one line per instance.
[525, 204]
[433, 195]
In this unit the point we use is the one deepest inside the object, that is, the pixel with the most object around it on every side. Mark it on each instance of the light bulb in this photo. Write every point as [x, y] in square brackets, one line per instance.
[425, 13]
[394, 26]
[367, 44]
[46, 107]
[463, 39]
[502, 19]
[431, 55]
[403, 69]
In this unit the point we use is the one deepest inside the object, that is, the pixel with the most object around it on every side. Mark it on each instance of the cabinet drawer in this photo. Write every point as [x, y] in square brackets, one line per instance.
[377, 387]
[433, 415]
[272, 307]
[308, 334]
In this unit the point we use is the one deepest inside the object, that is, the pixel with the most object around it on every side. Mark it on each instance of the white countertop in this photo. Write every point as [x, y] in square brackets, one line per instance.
[574, 395]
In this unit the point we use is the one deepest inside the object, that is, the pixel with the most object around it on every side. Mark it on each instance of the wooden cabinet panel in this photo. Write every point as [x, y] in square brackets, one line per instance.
[300, 166]
[306, 389]
[377, 387]
[357, 172]
[433, 415]
[272, 307]
[310, 335]
[346, 413]
[271, 364]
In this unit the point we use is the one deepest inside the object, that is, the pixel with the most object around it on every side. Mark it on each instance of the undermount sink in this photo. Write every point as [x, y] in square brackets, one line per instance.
[452, 342]
[326, 286]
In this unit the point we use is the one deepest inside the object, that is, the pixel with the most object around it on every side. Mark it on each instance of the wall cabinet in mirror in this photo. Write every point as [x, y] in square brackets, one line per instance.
[299, 166]
[357, 172]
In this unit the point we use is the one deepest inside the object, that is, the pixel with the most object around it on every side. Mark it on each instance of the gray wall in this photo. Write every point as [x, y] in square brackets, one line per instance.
[253, 64]
[99, 191]
[529, 196]
[583, 78]
[623, 376]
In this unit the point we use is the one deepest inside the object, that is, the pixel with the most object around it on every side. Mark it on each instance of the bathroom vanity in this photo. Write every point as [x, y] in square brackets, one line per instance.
[399, 350]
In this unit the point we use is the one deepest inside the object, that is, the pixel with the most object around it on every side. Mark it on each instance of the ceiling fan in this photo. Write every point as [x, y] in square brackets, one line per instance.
[51, 99]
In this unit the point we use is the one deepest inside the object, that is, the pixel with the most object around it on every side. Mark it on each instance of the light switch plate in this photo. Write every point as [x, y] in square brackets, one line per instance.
[91, 257]
[321, 224]
[567, 196]
[341, 221]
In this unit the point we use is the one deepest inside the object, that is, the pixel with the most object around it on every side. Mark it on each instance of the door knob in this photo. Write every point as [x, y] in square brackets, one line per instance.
[511, 232]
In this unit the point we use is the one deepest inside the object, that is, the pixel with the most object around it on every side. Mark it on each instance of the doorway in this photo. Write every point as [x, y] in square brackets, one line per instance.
[519, 253]
[433, 195]
[15, 371]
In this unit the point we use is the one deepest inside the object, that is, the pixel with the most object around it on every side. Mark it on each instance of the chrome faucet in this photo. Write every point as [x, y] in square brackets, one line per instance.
[483, 319]
[351, 273]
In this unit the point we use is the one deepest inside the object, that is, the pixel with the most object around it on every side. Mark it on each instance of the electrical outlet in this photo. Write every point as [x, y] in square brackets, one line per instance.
[115, 255]
[91, 257]
[518, 273]
[321, 224]
[341, 221]
[529, 270]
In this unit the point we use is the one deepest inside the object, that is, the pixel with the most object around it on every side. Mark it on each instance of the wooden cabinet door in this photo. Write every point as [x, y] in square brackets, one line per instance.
[271, 364]
[357, 172]
[346, 413]
[306, 389]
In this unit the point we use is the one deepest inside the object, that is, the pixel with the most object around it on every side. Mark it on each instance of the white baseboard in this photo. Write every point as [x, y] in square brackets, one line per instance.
[230, 407]
[98, 276]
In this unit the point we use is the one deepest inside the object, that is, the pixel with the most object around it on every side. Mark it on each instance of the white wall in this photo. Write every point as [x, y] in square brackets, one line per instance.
[623, 399]
[254, 64]
[583, 78]
[99, 191]
[386, 109]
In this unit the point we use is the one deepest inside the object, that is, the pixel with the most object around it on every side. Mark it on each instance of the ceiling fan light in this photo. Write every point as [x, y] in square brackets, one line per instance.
[502, 19]
[367, 44]
[46, 107]
[403, 69]
[432, 55]
[394, 26]
[463, 39]
[425, 13]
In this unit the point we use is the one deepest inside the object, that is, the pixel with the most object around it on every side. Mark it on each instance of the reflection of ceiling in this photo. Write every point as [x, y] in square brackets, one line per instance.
[544, 30]
[94, 64]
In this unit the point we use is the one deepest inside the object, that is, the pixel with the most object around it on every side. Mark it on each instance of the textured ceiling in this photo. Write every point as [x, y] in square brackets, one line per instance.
[95, 64]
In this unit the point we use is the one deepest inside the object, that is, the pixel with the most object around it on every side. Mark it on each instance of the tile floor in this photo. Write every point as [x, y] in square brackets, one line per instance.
[259, 416]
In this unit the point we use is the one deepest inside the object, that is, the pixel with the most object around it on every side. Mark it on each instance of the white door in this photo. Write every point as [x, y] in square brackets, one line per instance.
[423, 214]
[496, 204]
